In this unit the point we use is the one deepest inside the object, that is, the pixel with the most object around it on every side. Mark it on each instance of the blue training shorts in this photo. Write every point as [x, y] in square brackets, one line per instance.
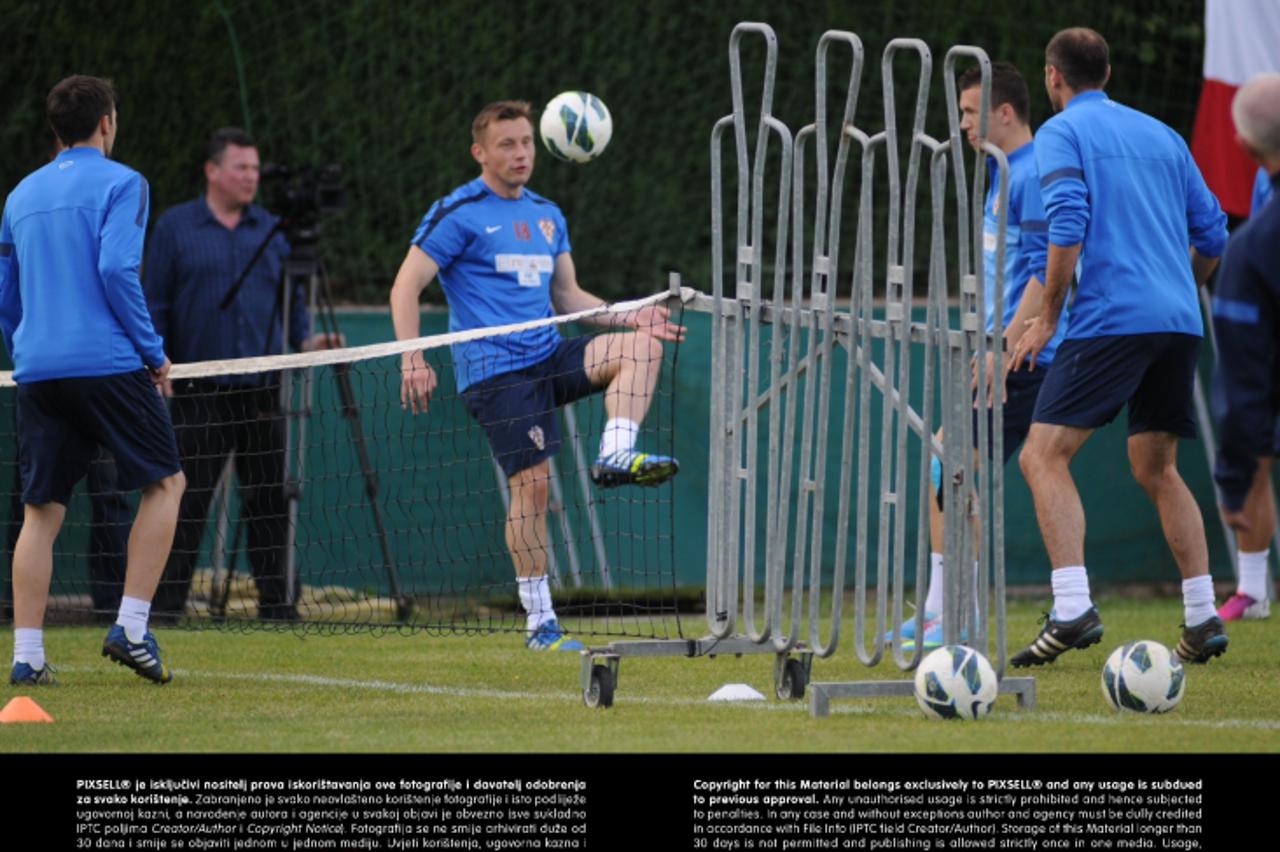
[1022, 389]
[62, 422]
[517, 410]
[1094, 377]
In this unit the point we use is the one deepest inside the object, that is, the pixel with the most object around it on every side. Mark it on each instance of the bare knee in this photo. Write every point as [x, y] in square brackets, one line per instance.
[1153, 461]
[1031, 461]
[646, 347]
[1153, 475]
[530, 491]
[169, 488]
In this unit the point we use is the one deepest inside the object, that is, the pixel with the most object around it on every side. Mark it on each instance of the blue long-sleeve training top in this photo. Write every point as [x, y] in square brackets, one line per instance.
[71, 239]
[1026, 241]
[1125, 185]
[1246, 380]
[193, 260]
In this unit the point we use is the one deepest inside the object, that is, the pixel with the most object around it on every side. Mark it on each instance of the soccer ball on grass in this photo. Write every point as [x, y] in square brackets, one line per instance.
[955, 682]
[1143, 677]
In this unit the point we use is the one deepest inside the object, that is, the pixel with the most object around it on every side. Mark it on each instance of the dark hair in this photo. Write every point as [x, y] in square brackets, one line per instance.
[500, 111]
[1007, 87]
[1082, 57]
[77, 104]
[224, 136]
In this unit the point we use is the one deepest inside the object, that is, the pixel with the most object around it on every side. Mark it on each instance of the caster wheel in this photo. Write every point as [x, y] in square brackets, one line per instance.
[792, 685]
[600, 693]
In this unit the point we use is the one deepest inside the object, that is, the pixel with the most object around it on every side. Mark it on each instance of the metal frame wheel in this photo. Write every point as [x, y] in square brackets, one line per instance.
[791, 684]
[600, 692]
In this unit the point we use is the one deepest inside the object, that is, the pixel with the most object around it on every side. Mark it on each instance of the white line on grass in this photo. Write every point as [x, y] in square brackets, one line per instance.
[1036, 716]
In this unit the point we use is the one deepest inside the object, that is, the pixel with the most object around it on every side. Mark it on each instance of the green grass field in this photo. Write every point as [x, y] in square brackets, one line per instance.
[260, 692]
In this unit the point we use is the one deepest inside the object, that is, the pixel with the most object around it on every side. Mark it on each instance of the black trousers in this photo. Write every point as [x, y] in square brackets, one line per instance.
[211, 422]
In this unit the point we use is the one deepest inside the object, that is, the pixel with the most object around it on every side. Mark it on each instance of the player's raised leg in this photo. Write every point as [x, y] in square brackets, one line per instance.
[627, 366]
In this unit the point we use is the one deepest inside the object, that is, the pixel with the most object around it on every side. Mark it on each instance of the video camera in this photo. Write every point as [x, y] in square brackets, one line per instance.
[301, 195]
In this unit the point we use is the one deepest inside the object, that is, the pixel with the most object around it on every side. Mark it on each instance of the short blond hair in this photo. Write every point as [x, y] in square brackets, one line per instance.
[500, 111]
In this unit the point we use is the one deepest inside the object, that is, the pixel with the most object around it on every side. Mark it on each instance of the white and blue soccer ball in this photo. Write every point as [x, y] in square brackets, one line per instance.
[955, 682]
[576, 126]
[1143, 677]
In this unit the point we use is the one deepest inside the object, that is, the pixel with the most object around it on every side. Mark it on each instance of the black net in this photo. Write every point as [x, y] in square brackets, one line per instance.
[315, 500]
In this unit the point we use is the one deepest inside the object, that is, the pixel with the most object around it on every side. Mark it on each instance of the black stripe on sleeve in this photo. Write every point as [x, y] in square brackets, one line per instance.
[1034, 226]
[445, 210]
[6, 249]
[1061, 174]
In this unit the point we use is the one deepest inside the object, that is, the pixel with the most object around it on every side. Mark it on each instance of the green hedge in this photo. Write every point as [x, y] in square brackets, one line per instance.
[388, 90]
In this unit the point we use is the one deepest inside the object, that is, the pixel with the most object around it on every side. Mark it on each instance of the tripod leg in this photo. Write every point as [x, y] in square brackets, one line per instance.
[351, 411]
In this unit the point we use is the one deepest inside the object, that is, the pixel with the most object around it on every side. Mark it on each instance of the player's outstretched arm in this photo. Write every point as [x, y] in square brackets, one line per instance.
[417, 379]
[568, 297]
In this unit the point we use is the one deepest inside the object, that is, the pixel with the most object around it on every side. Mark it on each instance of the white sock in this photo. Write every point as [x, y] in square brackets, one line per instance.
[619, 434]
[535, 596]
[1070, 593]
[937, 573]
[1197, 600]
[937, 578]
[1253, 574]
[133, 617]
[28, 646]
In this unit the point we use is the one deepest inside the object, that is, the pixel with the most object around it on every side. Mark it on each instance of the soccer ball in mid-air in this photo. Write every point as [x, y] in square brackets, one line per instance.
[1143, 677]
[576, 126]
[955, 682]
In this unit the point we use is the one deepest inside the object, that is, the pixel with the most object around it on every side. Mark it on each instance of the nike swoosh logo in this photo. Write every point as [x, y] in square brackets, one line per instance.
[492, 230]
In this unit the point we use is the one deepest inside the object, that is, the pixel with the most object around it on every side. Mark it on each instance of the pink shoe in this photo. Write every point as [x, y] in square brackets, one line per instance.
[1241, 607]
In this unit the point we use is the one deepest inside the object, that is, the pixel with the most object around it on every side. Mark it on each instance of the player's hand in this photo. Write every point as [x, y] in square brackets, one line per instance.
[1038, 333]
[417, 382]
[991, 380]
[1238, 521]
[656, 321]
[335, 340]
[160, 378]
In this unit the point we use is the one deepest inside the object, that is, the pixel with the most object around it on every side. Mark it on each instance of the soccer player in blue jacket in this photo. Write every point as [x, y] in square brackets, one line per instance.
[86, 360]
[1246, 386]
[1026, 244]
[1126, 201]
[502, 255]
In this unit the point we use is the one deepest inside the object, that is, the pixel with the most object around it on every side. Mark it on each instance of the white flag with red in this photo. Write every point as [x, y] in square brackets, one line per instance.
[1242, 39]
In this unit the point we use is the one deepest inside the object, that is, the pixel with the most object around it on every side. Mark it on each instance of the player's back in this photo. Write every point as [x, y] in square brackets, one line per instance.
[1144, 203]
[56, 218]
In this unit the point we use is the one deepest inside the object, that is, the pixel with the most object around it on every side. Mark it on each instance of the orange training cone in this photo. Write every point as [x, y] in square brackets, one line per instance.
[23, 709]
